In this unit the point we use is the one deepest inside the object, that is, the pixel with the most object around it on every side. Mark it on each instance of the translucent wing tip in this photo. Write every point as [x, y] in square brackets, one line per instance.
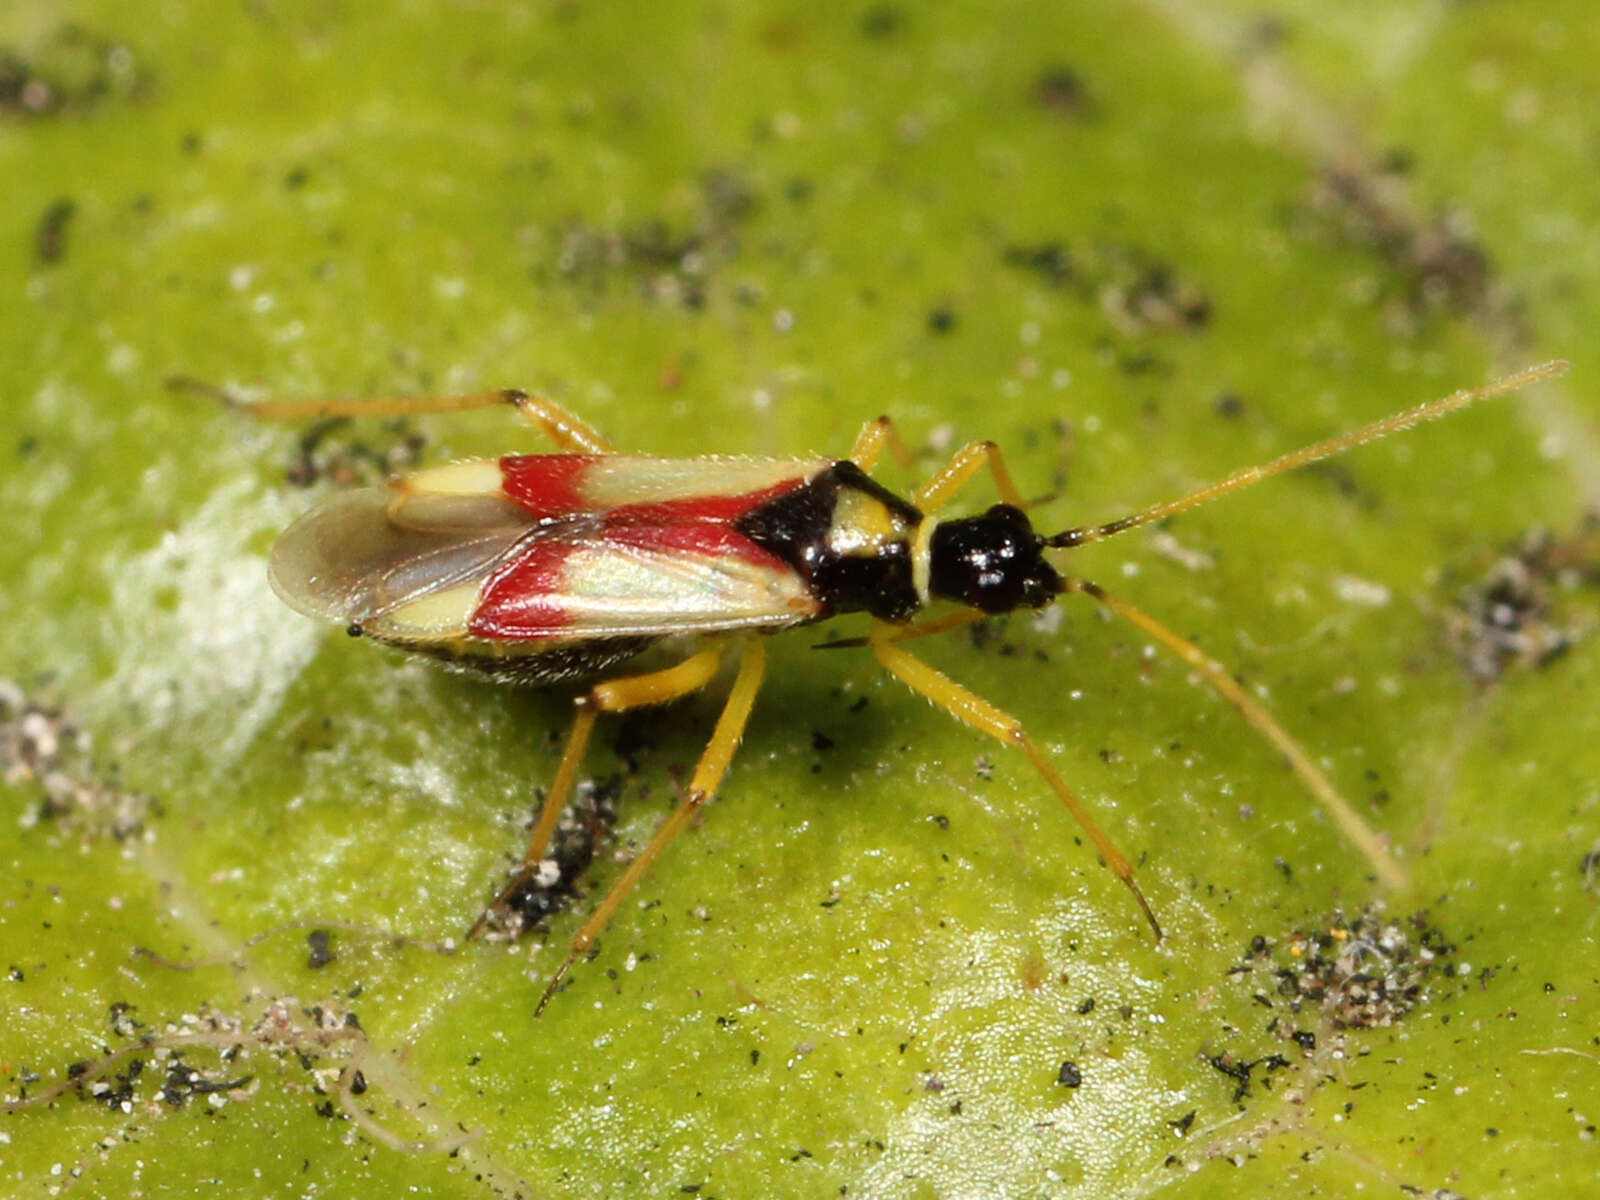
[324, 565]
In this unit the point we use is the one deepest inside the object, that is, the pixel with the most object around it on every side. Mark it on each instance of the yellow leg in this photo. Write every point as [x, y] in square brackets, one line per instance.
[567, 431]
[938, 491]
[560, 426]
[874, 436]
[1340, 809]
[615, 695]
[702, 787]
[974, 710]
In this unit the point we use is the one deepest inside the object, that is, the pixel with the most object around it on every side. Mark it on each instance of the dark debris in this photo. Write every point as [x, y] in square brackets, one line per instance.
[69, 70]
[1243, 1071]
[332, 450]
[1059, 88]
[1136, 290]
[1355, 974]
[1506, 617]
[50, 234]
[41, 744]
[1435, 263]
[583, 828]
[667, 263]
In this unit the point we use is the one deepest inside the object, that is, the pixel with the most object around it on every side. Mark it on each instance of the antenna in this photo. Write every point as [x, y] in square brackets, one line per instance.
[1310, 454]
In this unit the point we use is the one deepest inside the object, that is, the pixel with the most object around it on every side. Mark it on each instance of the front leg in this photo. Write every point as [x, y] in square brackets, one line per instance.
[974, 710]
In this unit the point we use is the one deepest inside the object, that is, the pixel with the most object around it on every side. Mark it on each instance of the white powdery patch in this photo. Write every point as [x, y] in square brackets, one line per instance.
[1367, 593]
[223, 654]
[431, 778]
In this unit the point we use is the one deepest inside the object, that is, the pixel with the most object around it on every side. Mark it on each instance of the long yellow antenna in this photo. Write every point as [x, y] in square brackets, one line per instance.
[1310, 454]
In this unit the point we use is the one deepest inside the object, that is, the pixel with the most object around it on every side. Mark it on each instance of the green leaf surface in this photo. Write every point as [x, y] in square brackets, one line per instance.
[1137, 245]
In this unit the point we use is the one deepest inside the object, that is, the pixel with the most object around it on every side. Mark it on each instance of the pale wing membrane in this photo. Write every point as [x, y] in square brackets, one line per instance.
[352, 559]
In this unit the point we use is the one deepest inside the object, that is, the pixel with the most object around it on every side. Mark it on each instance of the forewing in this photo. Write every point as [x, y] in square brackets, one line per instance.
[546, 547]
[358, 556]
[641, 580]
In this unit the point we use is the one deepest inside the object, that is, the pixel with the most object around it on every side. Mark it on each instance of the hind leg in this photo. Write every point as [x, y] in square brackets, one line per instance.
[614, 695]
[702, 787]
[570, 433]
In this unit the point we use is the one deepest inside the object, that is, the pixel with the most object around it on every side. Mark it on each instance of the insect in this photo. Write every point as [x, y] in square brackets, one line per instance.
[557, 568]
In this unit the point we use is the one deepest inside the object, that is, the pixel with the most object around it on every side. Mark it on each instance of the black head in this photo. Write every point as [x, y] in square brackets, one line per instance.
[993, 562]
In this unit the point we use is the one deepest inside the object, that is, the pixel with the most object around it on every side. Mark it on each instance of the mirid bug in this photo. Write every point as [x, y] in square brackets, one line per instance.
[556, 568]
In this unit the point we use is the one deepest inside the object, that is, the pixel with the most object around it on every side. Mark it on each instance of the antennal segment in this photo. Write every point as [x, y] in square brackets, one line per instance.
[1310, 454]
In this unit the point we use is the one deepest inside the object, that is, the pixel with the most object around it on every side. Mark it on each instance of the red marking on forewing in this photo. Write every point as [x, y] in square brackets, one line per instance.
[688, 537]
[689, 523]
[527, 597]
[523, 598]
[551, 485]
[547, 485]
